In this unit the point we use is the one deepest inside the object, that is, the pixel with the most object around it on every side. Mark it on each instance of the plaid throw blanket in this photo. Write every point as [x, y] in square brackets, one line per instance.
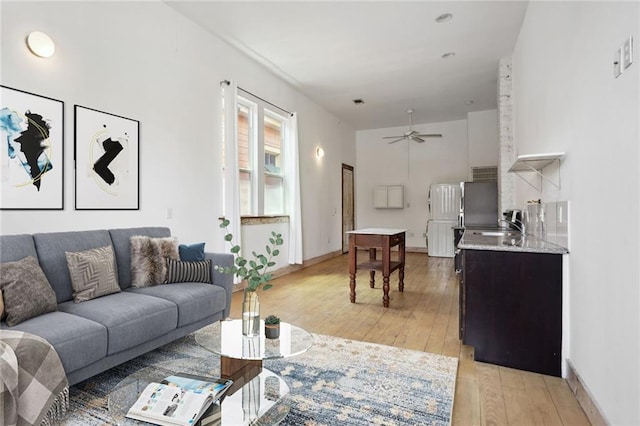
[33, 386]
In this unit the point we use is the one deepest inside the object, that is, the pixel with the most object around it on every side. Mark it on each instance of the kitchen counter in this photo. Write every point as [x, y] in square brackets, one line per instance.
[473, 239]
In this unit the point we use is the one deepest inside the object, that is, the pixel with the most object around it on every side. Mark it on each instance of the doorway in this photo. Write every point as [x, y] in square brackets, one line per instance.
[348, 218]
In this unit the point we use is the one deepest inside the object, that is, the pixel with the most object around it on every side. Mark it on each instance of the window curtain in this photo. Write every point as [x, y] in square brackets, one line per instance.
[231, 176]
[292, 182]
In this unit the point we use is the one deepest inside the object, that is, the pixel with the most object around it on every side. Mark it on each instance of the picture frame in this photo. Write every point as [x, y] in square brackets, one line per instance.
[107, 160]
[31, 151]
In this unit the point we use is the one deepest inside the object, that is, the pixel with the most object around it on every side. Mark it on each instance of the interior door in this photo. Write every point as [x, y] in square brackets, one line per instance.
[348, 219]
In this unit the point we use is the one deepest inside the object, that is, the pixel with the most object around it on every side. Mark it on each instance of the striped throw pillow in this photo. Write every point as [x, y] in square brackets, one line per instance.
[188, 272]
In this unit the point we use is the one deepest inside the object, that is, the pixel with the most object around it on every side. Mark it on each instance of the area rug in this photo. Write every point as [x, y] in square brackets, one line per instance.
[337, 381]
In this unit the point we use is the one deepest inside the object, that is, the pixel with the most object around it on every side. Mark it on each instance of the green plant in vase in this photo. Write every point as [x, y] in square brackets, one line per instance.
[254, 272]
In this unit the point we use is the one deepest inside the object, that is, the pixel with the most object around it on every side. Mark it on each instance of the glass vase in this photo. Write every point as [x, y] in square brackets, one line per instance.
[250, 314]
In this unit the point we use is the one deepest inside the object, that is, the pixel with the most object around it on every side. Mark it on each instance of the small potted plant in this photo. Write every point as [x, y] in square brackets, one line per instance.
[272, 327]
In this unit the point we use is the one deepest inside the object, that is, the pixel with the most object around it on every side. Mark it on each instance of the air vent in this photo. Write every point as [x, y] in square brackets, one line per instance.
[484, 174]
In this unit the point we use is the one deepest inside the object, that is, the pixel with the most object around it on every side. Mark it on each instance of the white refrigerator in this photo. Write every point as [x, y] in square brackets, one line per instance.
[444, 207]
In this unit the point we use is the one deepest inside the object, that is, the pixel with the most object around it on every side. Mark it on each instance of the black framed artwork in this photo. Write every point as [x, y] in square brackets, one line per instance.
[31, 152]
[107, 161]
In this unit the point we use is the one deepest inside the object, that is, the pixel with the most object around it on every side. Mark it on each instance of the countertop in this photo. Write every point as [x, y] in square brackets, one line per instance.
[474, 240]
[377, 231]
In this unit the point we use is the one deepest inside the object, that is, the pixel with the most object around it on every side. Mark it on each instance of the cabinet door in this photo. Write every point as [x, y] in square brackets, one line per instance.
[395, 197]
[513, 309]
[380, 197]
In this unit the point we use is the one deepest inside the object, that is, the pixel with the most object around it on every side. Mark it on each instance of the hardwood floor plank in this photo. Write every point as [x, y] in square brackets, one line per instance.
[423, 317]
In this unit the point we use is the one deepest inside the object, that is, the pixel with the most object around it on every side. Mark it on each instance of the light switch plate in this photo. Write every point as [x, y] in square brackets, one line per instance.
[617, 62]
[627, 53]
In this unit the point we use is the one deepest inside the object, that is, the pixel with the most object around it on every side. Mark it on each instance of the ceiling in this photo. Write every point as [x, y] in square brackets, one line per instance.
[387, 53]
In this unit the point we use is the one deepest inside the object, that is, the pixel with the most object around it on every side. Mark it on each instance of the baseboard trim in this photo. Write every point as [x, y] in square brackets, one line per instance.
[292, 268]
[584, 397]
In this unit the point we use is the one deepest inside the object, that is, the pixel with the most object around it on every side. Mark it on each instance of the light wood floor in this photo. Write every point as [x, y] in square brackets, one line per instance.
[424, 318]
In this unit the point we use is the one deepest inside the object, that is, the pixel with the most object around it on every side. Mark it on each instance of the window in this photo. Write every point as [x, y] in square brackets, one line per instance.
[260, 136]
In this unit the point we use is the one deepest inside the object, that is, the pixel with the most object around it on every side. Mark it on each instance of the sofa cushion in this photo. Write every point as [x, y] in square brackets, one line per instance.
[149, 259]
[122, 247]
[51, 248]
[130, 318]
[188, 272]
[93, 273]
[16, 247]
[191, 252]
[25, 290]
[78, 341]
[195, 300]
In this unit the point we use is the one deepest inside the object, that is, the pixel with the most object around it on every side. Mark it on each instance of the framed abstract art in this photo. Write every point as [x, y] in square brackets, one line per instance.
[31, 152]
[107, 161]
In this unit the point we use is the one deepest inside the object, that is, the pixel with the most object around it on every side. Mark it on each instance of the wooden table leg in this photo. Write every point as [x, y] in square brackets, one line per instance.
[372, 273]
[401, 260]
[352, 268]
[386, 269]
[385, 291]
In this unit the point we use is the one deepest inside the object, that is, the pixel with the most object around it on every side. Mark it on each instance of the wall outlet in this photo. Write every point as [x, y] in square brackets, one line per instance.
[617, 62]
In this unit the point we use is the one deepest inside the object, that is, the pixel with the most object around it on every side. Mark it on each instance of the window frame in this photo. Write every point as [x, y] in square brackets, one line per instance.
[258, 110]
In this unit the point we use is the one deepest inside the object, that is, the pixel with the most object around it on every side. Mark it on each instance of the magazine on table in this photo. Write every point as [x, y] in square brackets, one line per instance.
[178, 400]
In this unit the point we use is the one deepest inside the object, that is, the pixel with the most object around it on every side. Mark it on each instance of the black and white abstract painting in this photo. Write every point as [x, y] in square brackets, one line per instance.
[107, 160]
[31, 152]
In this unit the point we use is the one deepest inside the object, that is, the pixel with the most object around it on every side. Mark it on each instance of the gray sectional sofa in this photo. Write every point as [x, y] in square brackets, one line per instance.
[95, 335]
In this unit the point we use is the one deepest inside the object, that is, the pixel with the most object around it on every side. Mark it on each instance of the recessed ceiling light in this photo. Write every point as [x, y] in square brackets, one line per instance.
[358, 101]
[445, 17]
[469, 102]
[448, 55]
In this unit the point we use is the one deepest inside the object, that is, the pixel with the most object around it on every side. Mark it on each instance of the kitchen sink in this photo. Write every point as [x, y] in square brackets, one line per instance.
[498, 233]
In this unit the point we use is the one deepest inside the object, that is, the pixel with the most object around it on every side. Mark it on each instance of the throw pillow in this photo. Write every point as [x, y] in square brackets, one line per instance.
[26, 290]
[188, 272]
[93, 273]
[191, 253]
[148, 259]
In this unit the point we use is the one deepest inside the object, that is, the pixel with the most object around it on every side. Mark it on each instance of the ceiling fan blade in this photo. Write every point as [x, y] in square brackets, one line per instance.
[397, 140]
[393, 137]
[417, 139]
[430, 135]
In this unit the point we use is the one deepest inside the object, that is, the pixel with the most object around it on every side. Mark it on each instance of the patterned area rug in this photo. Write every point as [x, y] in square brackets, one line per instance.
[337, 381]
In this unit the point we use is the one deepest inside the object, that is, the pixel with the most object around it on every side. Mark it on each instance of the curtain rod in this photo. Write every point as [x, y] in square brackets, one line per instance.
[227, 82]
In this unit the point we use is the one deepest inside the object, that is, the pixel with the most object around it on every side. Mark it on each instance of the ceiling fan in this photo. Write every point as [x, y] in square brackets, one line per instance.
[412, 134]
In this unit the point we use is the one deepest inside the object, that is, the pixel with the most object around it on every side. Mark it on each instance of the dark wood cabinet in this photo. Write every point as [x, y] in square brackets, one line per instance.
[511, 309]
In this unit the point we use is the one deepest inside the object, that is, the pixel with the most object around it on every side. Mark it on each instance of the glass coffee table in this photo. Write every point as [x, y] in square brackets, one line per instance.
[242, 356]
[257, 402]
[256, 396]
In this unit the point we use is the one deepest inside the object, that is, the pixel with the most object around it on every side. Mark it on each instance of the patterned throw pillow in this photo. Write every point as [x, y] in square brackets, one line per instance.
[188, 272]
[25, 290]
[148, 259]
[93, 273]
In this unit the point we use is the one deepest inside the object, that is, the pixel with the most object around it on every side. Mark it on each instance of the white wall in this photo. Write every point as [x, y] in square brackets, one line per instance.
[483, 138]
[144, 61]
[414, 165]
[566, 99]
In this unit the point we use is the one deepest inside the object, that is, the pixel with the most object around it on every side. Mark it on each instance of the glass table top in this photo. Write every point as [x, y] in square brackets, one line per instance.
[258, 402]
[225, 338]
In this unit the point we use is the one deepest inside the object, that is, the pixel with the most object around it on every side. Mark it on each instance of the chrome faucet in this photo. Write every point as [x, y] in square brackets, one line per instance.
[518, 224]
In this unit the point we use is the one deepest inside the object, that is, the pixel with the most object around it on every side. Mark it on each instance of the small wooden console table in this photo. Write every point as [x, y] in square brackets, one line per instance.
[374, 238]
